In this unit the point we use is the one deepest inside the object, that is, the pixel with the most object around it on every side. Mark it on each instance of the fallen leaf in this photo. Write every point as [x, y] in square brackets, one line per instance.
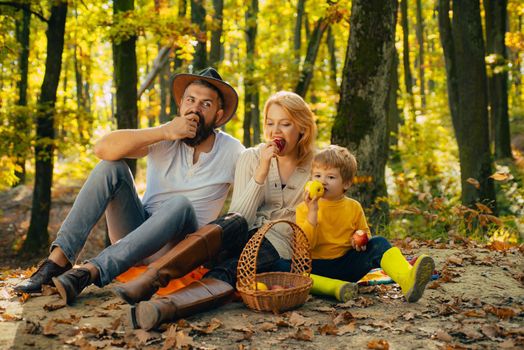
[54, 306]
[48, 290]
[183, 340]
[144, 336]
[434, 285]
[24, 297]
[378, 344]
[498, 176]
[8, 317]
[297, 319]
[303, 333]
[328, 329]
[502, 312]
[443, 335]
[344, 317]
[49, 329]
[475, 313]
[473, 182]
[490, 330]
[472, 333]
[347, 328]
[364, 302]
[32, 327]
[408, 316]
[508, 344]
[268, 327]
[209, 327]
[115, 324]
[455, 260]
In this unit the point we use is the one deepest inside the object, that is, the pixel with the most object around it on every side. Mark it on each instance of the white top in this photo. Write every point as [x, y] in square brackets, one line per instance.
[170, 171]
[269, 201]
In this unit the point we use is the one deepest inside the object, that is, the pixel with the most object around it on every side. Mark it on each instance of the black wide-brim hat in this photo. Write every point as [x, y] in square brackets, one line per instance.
[180, 82]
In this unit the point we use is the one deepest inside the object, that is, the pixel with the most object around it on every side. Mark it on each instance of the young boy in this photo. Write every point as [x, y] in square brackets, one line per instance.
[334, 224]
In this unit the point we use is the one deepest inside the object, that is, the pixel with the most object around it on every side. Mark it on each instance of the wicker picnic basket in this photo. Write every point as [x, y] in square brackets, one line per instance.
[296, 283]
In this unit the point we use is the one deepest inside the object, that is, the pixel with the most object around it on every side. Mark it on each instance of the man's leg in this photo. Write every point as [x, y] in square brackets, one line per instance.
[173, 221]
[110, 185]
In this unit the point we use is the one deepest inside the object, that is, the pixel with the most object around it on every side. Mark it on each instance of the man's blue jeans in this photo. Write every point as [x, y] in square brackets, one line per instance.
[135, 234]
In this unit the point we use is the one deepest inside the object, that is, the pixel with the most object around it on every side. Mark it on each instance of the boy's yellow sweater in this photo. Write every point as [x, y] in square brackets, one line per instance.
[336, 223]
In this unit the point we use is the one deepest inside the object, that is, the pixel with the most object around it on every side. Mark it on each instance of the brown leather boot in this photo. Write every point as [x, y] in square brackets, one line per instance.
[202, 295]
[195, 250]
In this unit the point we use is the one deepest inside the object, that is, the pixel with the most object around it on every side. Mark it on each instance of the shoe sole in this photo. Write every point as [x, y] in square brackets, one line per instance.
[145, 315]
[424, 270]
[61, 290]
[348, 292]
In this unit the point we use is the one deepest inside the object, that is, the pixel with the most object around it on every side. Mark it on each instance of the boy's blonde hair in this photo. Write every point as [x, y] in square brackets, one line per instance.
[299, 112]
[334, 156]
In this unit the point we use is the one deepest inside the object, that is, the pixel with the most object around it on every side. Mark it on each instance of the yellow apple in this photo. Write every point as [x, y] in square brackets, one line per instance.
[315, 189]
[259, 286]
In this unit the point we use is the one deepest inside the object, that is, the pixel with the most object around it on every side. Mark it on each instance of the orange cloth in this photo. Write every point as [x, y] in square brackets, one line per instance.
[173, 285]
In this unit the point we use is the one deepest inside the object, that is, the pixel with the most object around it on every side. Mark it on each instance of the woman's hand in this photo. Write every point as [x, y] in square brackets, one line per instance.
[267, 152]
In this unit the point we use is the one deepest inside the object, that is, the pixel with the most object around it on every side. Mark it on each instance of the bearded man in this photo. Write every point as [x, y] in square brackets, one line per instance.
[190, 167]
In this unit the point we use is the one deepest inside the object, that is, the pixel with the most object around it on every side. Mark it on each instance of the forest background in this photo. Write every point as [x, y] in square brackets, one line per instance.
[427, 94]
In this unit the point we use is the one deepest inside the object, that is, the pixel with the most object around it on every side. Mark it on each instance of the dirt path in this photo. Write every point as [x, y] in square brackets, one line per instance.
[477, 304]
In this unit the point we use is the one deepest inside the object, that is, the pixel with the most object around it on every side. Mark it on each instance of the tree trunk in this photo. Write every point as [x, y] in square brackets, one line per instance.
[163, 74]
[125, 75]
[83, 117]
[297, 36]
[420, 39]
[496, 22]
[251, 110]
[309, 62]
[198, 16]
[408, 79]
[177, 62]
[393, 113]
[37, 236]
[466, 78]
[215, 52]
[21, 122]
[332, 58]
[163, 81]
[361, 121]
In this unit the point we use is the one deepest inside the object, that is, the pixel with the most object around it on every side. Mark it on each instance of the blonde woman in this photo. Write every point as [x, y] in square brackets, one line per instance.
[269, 182]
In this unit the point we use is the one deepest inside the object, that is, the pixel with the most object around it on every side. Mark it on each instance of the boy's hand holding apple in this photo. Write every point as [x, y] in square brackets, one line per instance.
[359, 240]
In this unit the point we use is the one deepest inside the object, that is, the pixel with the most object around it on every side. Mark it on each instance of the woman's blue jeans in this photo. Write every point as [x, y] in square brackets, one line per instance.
[135, 234]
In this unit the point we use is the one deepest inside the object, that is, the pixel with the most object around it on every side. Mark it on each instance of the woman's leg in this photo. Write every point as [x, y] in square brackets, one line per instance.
[208, 293]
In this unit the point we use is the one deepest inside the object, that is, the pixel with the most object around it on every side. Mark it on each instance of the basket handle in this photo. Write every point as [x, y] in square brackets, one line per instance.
[300, 261]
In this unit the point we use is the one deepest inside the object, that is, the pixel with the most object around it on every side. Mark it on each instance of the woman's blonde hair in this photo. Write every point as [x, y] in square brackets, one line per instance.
[299, 112]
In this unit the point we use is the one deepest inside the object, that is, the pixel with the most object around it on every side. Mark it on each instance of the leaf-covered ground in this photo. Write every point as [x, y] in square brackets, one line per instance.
[478, 303]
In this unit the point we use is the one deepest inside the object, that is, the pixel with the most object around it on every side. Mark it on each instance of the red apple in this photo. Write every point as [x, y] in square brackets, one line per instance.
[276, 287]
[360, 238]
[280, 143]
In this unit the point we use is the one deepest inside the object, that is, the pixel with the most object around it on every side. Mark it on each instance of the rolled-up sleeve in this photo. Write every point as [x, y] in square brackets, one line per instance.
[248, 195]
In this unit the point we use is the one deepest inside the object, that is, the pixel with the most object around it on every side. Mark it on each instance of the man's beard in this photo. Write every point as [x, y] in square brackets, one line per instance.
[202, 133]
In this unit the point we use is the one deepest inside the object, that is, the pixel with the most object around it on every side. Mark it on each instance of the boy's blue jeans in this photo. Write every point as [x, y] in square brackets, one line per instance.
[350, 267]
[134, 233]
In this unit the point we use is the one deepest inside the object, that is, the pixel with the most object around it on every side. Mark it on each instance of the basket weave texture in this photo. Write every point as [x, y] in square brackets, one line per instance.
[297, 283]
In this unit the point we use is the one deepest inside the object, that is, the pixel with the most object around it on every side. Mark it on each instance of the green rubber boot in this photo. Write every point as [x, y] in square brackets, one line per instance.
[340, 290]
